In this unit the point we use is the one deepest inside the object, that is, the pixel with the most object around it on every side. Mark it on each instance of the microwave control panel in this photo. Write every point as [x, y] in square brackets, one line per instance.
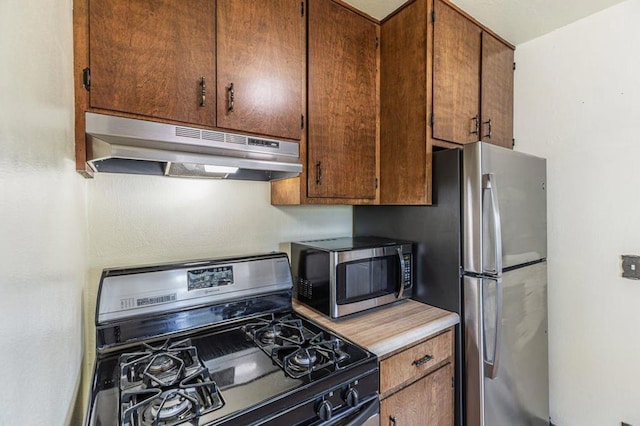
[407, 270]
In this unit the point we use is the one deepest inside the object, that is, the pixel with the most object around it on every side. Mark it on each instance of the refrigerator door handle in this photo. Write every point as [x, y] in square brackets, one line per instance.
[400, 291]
[489, 183]
[491, 366]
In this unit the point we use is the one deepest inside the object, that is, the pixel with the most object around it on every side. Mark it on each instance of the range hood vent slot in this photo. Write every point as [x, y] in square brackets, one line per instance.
[187, 132]
[212, 136]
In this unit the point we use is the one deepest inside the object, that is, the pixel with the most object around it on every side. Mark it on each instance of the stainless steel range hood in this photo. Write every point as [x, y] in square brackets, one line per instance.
[125, 145]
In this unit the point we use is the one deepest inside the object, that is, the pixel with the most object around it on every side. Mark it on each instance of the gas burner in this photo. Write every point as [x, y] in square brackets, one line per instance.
[168, 406]
[194, 396]
[305, 358]
[268, 336]
[275, 331]
[163, 365]
[308, 356]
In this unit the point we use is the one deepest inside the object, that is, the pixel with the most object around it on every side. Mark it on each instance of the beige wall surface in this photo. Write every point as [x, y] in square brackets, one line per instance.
[578, 104]
[42, 216]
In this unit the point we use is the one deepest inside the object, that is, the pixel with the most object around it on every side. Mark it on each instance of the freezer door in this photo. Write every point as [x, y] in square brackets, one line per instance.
[510, 372]
[505, 208]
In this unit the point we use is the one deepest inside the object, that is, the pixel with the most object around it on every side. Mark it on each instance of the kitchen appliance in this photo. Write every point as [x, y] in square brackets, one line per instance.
[216, 342]
[481, 252]
[126, 145]
[341, 276]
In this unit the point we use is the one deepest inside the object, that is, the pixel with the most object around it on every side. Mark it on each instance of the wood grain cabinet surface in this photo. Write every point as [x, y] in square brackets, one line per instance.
[339, 151]
[429, 401]
[149, 57]
[416, 385]
[342, 102]
[472, 81]
[261, 66]
[496, 96]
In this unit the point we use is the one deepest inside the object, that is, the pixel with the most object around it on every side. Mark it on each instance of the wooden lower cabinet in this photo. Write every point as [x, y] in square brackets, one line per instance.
[427, 402]
[416, 384]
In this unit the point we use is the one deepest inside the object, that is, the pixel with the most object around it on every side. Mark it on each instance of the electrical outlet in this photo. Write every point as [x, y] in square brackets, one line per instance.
[631, 267]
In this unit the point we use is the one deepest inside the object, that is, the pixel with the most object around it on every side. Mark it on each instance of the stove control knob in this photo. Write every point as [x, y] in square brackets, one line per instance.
[325, 410]
[351, 397]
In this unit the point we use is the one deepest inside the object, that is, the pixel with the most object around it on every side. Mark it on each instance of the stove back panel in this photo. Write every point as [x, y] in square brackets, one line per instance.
[142, 292]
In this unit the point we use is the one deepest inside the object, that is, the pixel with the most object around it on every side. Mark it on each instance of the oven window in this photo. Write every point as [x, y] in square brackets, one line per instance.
[367, 279]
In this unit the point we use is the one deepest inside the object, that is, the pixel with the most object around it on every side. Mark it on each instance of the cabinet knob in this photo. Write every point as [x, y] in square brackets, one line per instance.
[392, 421]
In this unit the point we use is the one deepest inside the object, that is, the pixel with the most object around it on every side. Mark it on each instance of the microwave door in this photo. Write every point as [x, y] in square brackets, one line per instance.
[366, 279]
[369, 282]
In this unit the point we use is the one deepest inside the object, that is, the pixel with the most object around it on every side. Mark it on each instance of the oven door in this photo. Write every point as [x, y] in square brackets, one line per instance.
[367, 414]
[364, 279]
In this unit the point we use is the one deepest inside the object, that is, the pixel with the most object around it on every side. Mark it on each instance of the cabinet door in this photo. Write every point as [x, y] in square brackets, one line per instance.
[403, 106]
[261, 66]
[428, 401]
[497, 92]
[148, 57]
[456, 76]
[341, 102]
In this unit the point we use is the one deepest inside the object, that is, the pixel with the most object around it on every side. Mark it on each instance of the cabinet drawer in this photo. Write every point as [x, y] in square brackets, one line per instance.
[415, 362]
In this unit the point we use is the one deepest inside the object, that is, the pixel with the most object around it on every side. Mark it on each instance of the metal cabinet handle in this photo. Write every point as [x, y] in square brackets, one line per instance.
[392, 421]
[319, 173]
[476, 125]
[230, 97]
[488, 135]
[422, 361]
[203, 84]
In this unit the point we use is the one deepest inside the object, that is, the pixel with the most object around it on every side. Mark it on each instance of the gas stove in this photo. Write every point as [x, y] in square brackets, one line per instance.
[216, 342]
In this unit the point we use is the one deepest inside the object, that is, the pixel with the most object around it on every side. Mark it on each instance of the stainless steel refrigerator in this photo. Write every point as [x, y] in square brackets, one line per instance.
[481, 251]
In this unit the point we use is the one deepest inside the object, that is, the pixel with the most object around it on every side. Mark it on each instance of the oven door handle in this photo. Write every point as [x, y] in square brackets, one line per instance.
[359, 415]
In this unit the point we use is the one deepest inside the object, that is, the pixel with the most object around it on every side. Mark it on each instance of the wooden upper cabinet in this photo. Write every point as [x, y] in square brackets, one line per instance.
[261, 66]
[149, 57]
[341, 103]
[497, 92]
[456, 76]
[403, 107]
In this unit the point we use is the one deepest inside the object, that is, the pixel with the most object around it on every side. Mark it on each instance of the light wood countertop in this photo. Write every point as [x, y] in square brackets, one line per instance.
[387, 330]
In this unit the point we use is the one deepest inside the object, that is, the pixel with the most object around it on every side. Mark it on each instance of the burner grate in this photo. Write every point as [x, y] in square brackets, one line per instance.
[165, 386]
[295, 348]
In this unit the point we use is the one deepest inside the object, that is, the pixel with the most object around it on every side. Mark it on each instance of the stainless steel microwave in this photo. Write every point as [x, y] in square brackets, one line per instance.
[341, 276]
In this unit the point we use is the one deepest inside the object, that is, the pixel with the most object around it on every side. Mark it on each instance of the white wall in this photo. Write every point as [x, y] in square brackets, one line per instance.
[578, 104]
[139, 220]
[42, 219]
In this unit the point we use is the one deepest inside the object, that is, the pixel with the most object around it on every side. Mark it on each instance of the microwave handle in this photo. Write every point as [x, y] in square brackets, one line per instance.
[400, 291]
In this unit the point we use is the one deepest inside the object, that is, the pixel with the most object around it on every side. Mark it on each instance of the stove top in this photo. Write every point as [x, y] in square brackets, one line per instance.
[254, 362]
